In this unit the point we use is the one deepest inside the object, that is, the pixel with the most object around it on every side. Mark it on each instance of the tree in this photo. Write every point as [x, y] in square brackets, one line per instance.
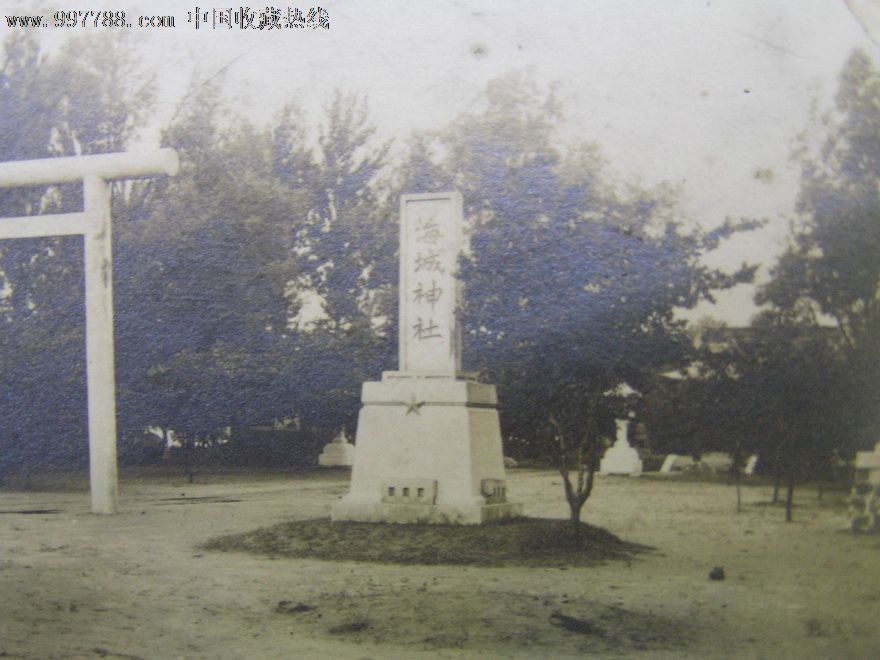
[205, 264]
[346, 238]
[796, 417]
[719, 403]
[216, 262]
[571, 287]
[347, 241]
[831, 271]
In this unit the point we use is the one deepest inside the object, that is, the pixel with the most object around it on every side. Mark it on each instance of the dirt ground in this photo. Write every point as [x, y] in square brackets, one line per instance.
[135, 585]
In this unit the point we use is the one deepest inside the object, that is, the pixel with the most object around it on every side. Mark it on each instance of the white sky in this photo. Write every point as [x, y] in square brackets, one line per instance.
[699, 93]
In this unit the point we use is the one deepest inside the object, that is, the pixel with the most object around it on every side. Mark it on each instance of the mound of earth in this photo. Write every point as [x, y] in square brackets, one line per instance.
[518, 542]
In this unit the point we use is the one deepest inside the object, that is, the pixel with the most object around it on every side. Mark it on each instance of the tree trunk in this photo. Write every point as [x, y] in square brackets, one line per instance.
[738, 491]
[189, 467]
[575, 518]
[584, 463]
[777, 474]
[789, 498]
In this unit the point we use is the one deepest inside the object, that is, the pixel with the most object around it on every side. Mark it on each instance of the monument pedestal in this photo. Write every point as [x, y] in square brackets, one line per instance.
[338, 453]
[428, 450]
[621, 458]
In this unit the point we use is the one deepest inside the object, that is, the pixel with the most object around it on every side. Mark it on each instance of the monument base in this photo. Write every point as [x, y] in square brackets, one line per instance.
[337, 453]
[425, 515]
[428, 451]
[621, 459]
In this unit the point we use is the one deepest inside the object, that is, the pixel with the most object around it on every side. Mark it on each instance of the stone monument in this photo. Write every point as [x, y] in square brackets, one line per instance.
[669, 463]
[337, 453]
[865, 501]
[751, 465]
[718, 462]
[621, 458]
[677, 463]
[428, 442]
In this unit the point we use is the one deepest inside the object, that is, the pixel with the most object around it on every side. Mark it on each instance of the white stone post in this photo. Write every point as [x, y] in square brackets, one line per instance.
[99, 345]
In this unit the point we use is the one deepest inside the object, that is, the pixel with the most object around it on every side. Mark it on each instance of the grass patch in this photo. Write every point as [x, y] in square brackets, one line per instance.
[518, 542]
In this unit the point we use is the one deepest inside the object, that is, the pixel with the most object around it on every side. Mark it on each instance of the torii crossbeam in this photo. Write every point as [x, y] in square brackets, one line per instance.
[94, 224]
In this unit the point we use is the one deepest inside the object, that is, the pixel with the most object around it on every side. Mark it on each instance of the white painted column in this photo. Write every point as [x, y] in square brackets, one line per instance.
[99, 345]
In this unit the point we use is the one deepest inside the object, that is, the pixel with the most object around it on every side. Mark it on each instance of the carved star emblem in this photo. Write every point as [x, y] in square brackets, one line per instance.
[413, 405]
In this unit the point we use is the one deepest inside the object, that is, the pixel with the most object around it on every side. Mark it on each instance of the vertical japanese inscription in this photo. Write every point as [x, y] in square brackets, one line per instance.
[430, 242]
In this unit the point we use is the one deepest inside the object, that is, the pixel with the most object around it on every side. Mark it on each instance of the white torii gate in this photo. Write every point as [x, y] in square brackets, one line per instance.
[94, 225]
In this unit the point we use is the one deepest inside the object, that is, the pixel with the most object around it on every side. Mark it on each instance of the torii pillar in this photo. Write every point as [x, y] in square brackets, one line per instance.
[94, 224]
